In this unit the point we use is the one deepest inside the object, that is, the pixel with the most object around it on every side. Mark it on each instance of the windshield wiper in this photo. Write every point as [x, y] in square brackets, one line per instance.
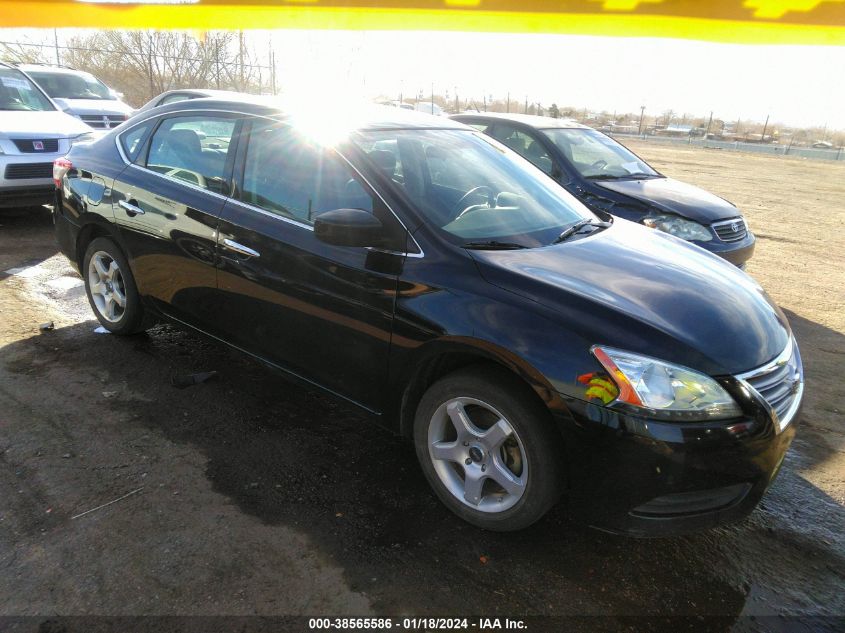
[639, 175]
[603, 177]
[576, 228]
[493, 245]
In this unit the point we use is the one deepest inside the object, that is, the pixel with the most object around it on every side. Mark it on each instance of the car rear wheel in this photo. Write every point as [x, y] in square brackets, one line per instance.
[488, 449]
[111, 288]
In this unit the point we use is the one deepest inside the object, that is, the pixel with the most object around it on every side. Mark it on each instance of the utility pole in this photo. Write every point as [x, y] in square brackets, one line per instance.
[457, 109]
[217, 62]
[509, 103]
[709, 123]
[642, 114]
[56, 42]
[241, 58]
[485, 101]
[765, 127]
[526, 105]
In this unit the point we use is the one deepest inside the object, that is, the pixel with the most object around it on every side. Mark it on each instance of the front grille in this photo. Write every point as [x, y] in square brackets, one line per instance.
[35, 145]
[780, 384]
[21, 171]
[731, 230]
[103, 121]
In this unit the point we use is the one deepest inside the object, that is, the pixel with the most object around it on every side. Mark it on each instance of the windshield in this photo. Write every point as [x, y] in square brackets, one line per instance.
[472, 188]
[72, 85]
[597, 156]
[19, 93]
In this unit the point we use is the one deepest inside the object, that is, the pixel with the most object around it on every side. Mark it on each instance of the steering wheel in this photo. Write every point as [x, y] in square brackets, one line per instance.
[475, 191]
[599, 164]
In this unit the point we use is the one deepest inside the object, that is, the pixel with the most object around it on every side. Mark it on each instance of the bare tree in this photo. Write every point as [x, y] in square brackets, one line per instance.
[142, 64]
[23, 54]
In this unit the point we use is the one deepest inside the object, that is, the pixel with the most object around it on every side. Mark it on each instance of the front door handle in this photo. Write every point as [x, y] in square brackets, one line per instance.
[240, 248]
[131, 209]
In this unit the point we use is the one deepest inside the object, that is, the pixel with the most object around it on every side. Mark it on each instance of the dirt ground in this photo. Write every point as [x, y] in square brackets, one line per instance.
[248, 496]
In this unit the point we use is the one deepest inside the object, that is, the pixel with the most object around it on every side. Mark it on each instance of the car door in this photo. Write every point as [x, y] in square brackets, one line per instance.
[321, 312]
[167, 204]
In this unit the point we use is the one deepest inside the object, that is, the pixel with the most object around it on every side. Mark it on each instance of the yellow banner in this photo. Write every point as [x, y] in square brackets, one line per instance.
[752, 21]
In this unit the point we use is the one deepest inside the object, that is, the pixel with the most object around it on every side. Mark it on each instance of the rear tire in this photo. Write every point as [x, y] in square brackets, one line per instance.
[488, 448]
[111, 288]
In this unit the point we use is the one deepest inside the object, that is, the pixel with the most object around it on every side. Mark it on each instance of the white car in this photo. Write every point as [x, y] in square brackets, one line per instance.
[430, 107]
[185, 94]
[33, 133]
[80, 94]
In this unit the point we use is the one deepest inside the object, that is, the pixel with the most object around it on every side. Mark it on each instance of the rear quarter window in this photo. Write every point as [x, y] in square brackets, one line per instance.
[133, 140]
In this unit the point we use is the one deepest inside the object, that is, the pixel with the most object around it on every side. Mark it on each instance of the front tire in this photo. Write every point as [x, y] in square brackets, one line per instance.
[488, 448]
[111, 288]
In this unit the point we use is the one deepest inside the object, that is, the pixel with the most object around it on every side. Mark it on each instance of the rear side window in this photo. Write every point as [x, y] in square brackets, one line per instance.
[288, 175]
[193, 149]
[523, 144]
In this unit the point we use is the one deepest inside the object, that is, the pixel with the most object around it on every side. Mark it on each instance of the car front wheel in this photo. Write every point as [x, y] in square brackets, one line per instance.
[488, 448]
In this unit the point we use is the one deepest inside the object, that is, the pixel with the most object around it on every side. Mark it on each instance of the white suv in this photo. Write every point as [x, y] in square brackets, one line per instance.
[33, 133]
[80, 94]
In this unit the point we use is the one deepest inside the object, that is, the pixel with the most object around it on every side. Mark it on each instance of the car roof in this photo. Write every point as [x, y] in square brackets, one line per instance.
[364, 117]
[531, 120]
[53, 69]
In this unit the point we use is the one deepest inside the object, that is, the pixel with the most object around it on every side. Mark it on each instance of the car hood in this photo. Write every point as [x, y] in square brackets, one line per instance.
[46, 124]
[94, 106]
[674, 196]
[645, 291]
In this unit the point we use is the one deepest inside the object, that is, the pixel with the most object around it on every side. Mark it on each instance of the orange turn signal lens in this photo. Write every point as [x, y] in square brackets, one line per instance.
[627, 393]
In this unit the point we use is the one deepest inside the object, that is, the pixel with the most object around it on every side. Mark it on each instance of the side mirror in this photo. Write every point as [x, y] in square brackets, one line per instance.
[348, 227]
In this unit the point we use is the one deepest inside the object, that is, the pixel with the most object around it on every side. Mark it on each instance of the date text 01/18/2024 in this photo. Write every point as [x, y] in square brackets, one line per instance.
[416, 624]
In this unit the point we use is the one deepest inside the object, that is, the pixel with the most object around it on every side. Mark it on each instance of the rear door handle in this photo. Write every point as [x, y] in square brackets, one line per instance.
[240, 248]
[131, 209]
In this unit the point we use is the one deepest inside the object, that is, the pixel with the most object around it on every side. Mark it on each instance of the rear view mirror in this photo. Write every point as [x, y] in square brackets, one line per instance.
[348, 227]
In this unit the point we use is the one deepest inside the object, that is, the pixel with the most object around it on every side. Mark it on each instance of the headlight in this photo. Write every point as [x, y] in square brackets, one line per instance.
[678, 226]
[87, 137]
[663, 390]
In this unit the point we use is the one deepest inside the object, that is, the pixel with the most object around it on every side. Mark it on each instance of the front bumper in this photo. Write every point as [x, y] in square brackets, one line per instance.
[26, 179]
[737, 253]
[646, 477]
[31, 196]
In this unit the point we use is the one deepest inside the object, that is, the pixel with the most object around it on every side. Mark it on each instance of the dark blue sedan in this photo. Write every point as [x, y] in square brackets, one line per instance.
[608, 177]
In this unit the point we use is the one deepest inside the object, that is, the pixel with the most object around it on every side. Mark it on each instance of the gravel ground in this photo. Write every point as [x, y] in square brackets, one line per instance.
[248, 496]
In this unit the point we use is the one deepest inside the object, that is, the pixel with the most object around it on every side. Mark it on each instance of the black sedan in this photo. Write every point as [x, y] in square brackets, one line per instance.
[421, 271]
[608, 177]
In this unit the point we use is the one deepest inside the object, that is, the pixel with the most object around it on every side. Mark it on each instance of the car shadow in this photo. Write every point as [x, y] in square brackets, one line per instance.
[290, 456]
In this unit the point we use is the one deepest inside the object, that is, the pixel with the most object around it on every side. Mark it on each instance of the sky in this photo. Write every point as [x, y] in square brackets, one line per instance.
[794, 85]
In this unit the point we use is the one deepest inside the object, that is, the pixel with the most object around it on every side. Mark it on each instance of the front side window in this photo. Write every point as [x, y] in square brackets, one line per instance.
[79, 85]
[193, 149]
[469, 187]
[17, 92]
[597, 156]
[287, 174]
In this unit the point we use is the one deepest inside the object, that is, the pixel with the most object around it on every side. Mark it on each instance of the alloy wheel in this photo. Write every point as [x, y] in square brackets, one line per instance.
[108, 290]
[477, 455]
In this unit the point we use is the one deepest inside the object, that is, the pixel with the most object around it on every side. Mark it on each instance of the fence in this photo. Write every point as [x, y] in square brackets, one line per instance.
[759, 148]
